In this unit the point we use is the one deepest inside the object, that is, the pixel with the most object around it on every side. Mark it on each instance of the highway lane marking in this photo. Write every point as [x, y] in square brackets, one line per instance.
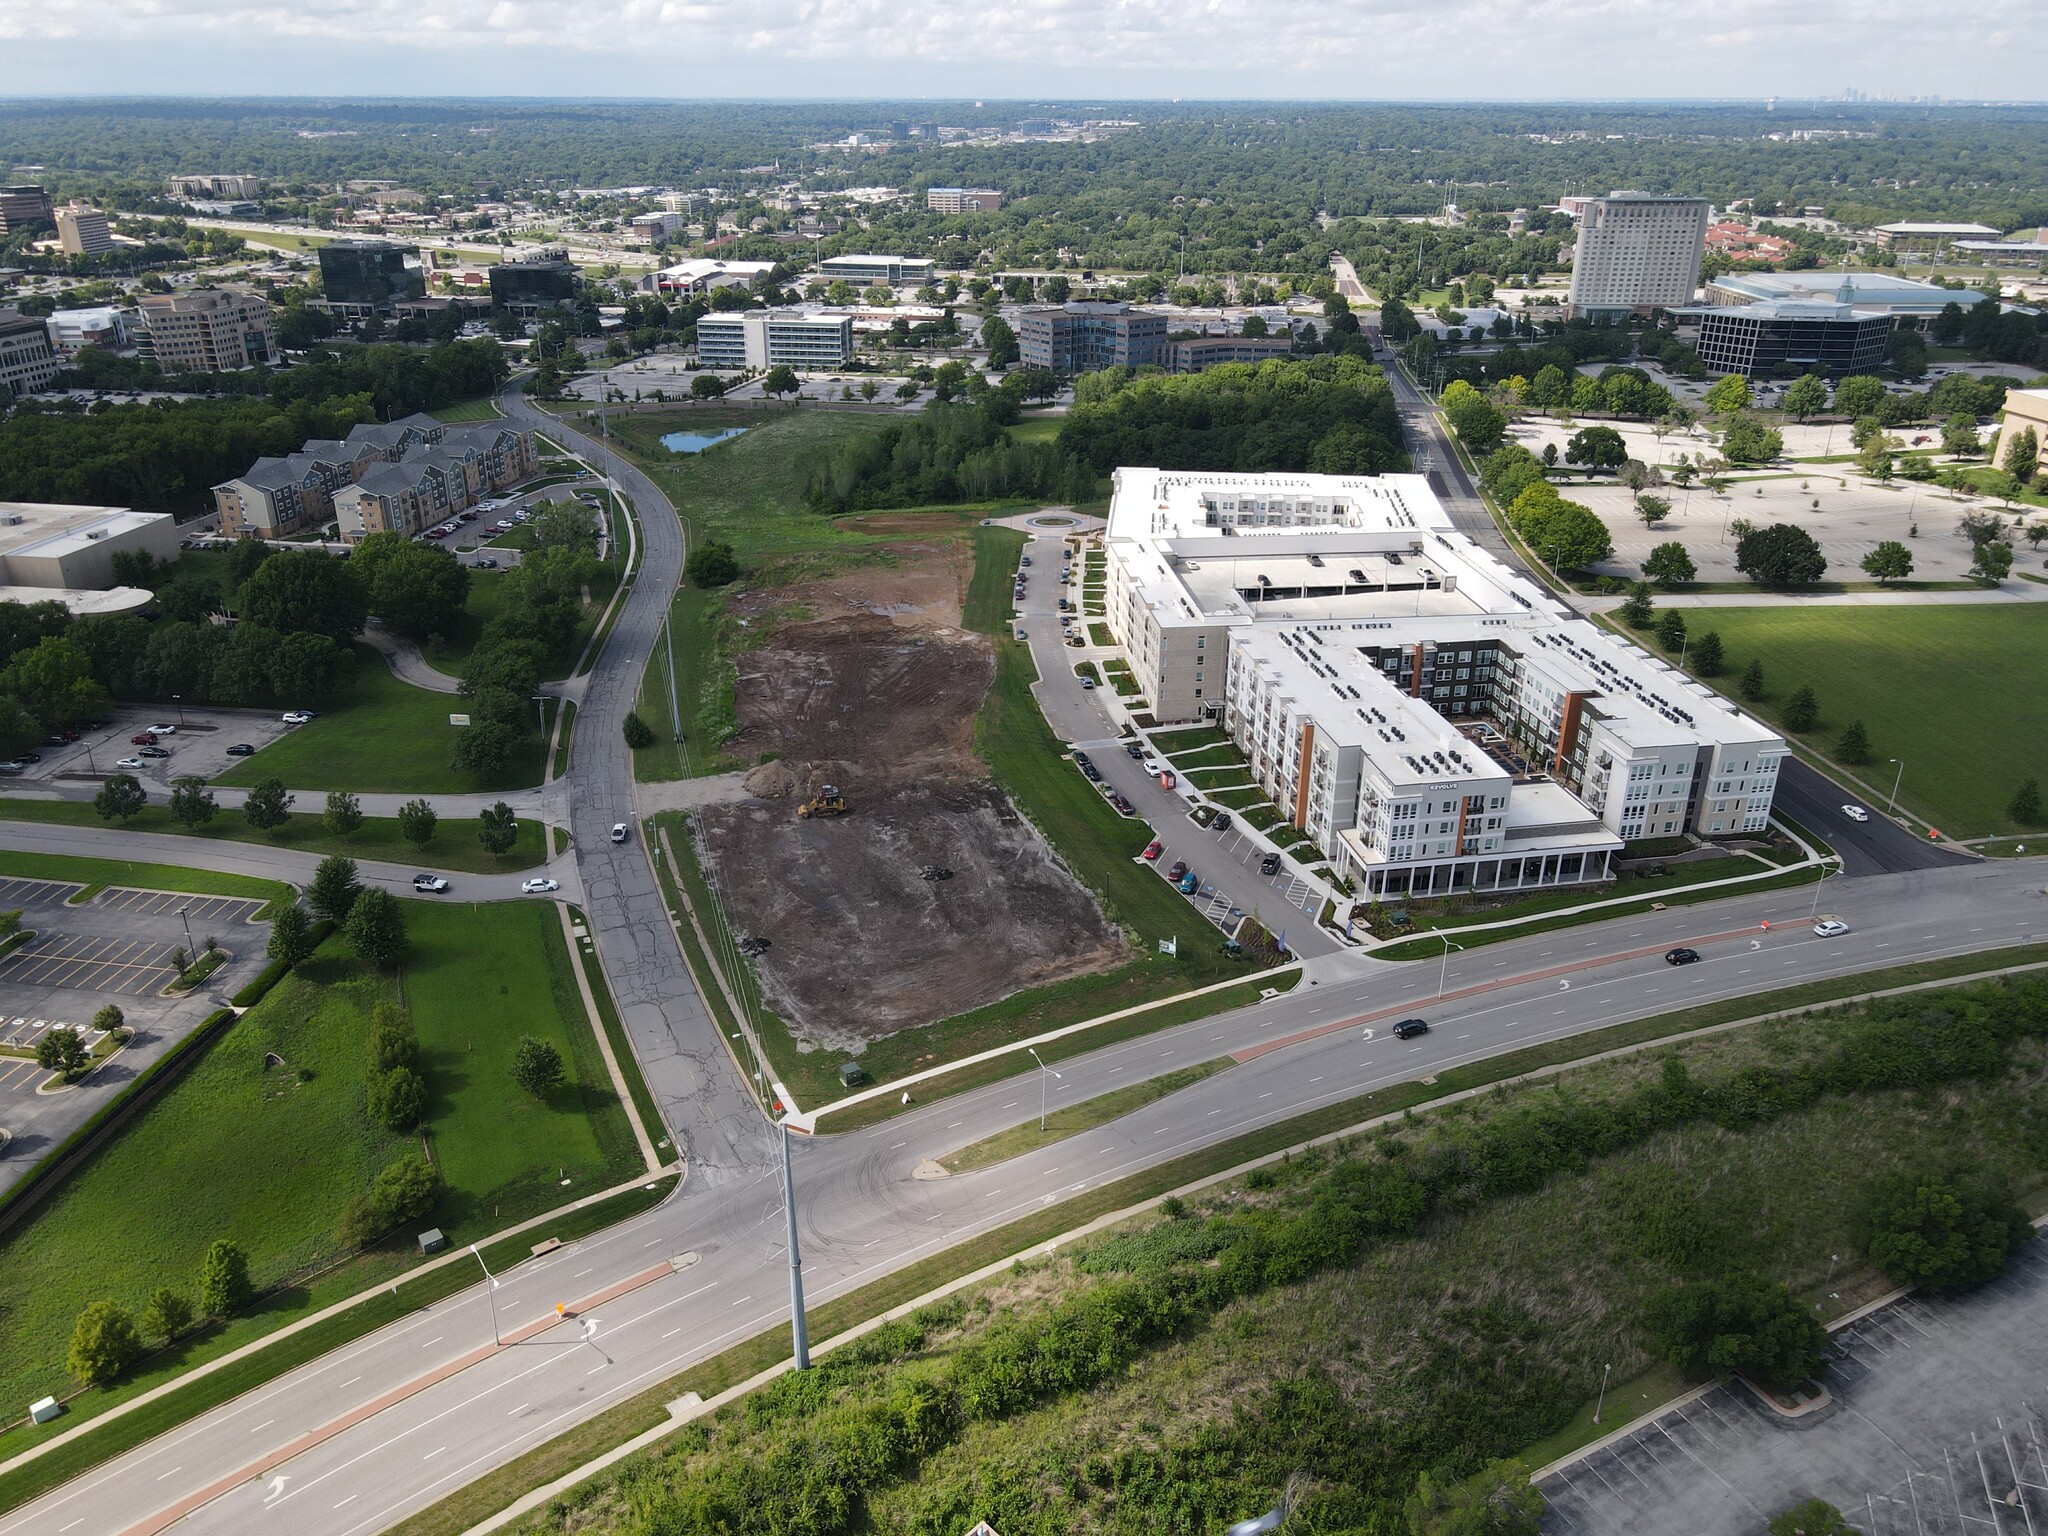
[583, 1271]
[432, 1454]
[1315, 1080]
[79, 1521]
[1215, 1112]
[956, 1125]
[349, 1500]
[349, 1383]
[264, 1425]
[1162, 1130]
[524, 1406]
[1011, 1105]
[162, 1475]
[591, 1372]
[935, 1216]
[899, 1144]
[437, 1338]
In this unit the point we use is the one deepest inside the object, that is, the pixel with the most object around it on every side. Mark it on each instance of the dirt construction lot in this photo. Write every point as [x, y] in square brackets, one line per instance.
[876, 693]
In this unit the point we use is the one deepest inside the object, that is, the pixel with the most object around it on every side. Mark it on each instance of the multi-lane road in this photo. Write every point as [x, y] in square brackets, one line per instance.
[352, 1443]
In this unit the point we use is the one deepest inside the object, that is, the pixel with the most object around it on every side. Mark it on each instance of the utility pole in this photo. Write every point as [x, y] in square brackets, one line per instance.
[800, 1340]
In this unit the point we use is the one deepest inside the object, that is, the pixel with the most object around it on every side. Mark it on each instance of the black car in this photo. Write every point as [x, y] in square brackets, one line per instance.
[1270, 864]
[28, 757]
[1680, 956]
[241, 749]
[1134, 750]
[1221, 823]
[153, 751]
[1409, 1028]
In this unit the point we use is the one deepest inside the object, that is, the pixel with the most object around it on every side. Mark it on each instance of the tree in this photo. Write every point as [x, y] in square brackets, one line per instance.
[191, 801]
[1806, 396]
[537, 1066]
[1959, 436]
[1671, 630]
[712, 564]
[707, 386]
[2022, 457]
[104, 1343]
[1992, 562]
[1498, 1501]
[637, 731]
[404, 1189]
[1802, 710]
[781, 380]
[1001, 341]
[166, 1315]
[1890, 561]
[1597, 448]
[416, 822]
[344, 813]
[417, 589]
[268, 806]
[308, 591]
[2026, 803]
[291, 937]
[1859, 395]
[1864, 431]
[54, 682]
[1749, 441]
[1651, 509]
[224, 1286]
[1566, 533]
[1941, 1230]
[375, 929]
[1741, 1323]
[1669, 565]
[120, 797]
[1752, 685]
[484, 748]
[1814, 1517]
[1728, 396]
[1780, 555]
[397, 1100]
[335, 889]
[62, 1050]
[1980, 527]
[108, 1017]
[1479, 423]
[497, 828]
[1854, 745]
[1706, 654]
[1638, 609]
[1876, 460]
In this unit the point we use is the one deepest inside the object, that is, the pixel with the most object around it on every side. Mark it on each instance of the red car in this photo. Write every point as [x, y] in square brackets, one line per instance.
[1154, 848]
[143, 740]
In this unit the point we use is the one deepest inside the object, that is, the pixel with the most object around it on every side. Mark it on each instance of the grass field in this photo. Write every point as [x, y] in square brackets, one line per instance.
[454, 846]
[96, 873]
[385, 737]
[1959, 693]
[484, 409]
[270, 1156]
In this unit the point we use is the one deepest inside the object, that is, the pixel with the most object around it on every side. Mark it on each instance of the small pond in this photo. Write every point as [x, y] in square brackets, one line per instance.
[697, 442]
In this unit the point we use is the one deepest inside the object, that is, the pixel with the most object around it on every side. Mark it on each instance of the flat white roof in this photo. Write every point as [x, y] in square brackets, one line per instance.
[82, 603]
[48, 529]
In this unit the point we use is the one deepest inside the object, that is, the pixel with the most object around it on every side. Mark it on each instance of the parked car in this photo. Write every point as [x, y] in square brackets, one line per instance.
[1408, 1029]
[241, 749]
[1180, 867]
[1075, 642]
[1855, 813]
[540, 885]
[142, 739]
[488, 563]
[129, 763]
[1153, 849]
[1026, 561]
[1270, 864]
[1123, 806]
[1153, 767]
[1134, 751]
[619, 832]
[155, 752]
[1187, 883]
[1087, 684]
[1221, 823]
[297, 716]
[163, 730]
[1831, 927]
[1681, 956]
[25, 758]
[432, 884]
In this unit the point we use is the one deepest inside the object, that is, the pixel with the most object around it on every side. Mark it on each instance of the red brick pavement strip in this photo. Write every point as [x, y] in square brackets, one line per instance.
[1252, 1051]
[163, 1519]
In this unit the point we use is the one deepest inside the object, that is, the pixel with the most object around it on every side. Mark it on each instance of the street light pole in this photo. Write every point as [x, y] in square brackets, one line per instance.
[1601, 1406]
[1892, 805]
[1444, 970]
[1043, 1069]
[187, 921]
[799, 1332]
[491, 1291]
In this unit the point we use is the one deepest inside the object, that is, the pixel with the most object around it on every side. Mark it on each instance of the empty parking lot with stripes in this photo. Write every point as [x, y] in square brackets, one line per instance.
[109, 961]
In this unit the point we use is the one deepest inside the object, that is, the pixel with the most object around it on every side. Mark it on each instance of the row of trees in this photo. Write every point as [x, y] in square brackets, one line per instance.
[108, 1338]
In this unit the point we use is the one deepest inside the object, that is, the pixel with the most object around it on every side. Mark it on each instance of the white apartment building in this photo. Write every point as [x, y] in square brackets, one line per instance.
[958, 200]
[1637, 252]
[764, 338]
[1426, 716]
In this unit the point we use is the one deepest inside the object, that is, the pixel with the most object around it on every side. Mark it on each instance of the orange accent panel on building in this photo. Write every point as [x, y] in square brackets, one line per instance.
[1569, 729]
[1308, 737]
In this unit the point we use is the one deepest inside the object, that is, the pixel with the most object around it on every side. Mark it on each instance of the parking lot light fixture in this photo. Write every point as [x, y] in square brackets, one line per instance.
[1043, 1070]
[1443, 971]
[1891, 806]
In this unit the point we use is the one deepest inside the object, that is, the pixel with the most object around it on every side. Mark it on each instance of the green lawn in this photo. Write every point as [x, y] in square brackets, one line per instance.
[1959, 693]
[95, 873]
[454, 846]
[383, 736]
[484, 409]
[270, 1156]
[1037, 429]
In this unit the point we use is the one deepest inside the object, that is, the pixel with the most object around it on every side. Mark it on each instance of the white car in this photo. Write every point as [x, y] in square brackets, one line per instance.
[1831, 927]
[1153, 767]
[619, 832]
[1855, 813]
[129, 763]
[432, 883]
[162, 730]
[297, 716]
[539, 886]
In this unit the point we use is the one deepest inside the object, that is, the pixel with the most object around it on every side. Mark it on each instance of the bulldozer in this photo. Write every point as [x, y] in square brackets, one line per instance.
[827, 802]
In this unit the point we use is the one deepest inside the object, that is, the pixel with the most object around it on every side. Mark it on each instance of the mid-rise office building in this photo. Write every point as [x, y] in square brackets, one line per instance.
[1637, 252]
[766, 338]
[658, 226]
[207, 330]
[226, 188]
[22, 206]
[1089, 334]
[104, 326]
[1194, 353]
[2024, 408]
[59, 548]
[360, 278]
[1755, 339]
[1431, 720]
[27, 359]
[1900, 297]
[963, 199]
[1929, 237]
[83, 231]
[525, 285]
[872, 271]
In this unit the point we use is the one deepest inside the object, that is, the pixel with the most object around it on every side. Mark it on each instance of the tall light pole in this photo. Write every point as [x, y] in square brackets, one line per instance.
[1891, 806]
[490, 1290]
[1043, 1069]
[1444, 970]
[1600, 1406]
[799, 1333]
[187, 921]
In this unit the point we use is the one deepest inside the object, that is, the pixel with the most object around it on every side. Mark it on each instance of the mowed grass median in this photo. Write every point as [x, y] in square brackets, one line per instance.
[1958, 692]
[268, 1155]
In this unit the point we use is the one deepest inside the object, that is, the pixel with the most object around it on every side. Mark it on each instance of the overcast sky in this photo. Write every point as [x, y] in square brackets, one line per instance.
[1241, 49]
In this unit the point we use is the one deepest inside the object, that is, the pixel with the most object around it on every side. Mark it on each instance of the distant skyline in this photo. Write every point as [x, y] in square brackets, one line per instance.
[1385, 50]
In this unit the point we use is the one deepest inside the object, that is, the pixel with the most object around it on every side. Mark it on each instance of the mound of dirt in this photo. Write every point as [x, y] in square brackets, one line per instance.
[770, 781]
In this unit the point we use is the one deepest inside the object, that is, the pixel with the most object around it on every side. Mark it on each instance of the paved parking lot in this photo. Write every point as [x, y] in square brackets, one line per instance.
[21, 893]
[199, 747]
[78, 963]
[1937, 1430]
[127, 964]
[214, 911]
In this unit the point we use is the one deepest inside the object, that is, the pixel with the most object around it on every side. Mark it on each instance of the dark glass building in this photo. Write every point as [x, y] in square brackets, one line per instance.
[370, 275]
[526, 286]
[1801, 335]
